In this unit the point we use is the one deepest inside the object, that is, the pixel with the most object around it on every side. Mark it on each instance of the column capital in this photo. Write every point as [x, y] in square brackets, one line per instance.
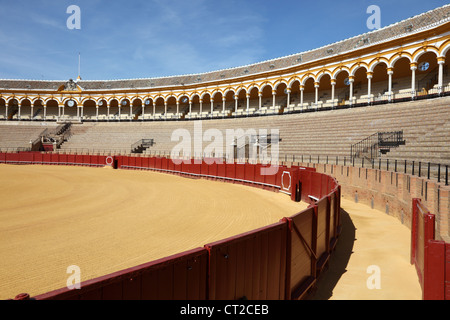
[369, 75]
[390, 71]
[441, 60]
[413, 66]
[333, 82]
[316, 84]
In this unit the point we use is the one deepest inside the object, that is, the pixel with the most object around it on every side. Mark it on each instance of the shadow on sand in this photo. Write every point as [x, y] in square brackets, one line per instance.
[337, 264]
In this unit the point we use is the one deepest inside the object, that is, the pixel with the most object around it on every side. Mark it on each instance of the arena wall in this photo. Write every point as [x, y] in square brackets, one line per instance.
[278, 262]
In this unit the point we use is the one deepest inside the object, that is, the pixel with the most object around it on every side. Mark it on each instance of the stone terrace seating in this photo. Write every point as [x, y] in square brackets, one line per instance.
[15, 136]
[425, 124]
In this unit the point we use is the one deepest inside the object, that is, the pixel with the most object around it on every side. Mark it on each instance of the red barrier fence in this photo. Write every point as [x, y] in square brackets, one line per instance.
[430, 257]
[278, 262]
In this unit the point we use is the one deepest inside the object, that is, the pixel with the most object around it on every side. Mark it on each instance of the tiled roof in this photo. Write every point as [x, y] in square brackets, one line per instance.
[415, 24]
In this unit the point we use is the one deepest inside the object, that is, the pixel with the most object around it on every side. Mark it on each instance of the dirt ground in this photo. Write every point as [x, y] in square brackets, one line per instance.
[104, 220]
[372, 259]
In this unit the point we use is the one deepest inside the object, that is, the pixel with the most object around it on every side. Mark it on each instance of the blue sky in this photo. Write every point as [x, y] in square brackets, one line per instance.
[125, 39]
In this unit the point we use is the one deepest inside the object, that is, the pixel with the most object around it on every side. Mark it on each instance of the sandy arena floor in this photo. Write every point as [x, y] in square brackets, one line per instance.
[106, 220]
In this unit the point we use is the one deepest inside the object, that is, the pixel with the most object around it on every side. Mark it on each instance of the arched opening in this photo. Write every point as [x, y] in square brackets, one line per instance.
[113, 110]
[241, 103]
[13, 109]
[253, 105]
[195, 113]
[342, 87]
[266, 99]
[51, 110]
[147, 109]
[205, 105]
[218, 104]
[280, 98]
[136, 111]
[401, 79]
[171, 112]
[25, 110]
[229, 103]
[125, 110]
[360, 86]
[159, 108]
[70, 110]
[3, 114]
[309, 93]
[295, 95]
[183, 106]
[380, 82]
[89, 110]
[446, 78]
[37, 110]
[102, 110]
[427, 74]
[325, 91]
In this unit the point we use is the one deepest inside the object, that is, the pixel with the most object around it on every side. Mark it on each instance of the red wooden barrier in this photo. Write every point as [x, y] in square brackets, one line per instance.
[302, 253]
[250, 266]
[230, 171]
[179, 277]
[323, 233]
[427, 254]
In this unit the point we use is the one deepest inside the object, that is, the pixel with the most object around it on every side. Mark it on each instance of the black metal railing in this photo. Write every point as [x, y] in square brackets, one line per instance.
[375, 145]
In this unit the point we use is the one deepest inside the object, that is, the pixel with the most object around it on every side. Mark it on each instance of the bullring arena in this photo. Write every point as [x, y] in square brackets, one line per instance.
[95, 174]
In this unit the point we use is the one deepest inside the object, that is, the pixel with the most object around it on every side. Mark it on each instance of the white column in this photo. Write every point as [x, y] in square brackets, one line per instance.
[333, 91]
[96, 112]
[78, 112]
[288, 103]
[369, 87]
[212, 108]
[201, 108]
[178, 109]
[316, 86]
[260, 101]
[390, 72]
[248, 103]
[441, 62]
[131, 112]
[302, 89]
[32, 108]
[190, 108]
[224, 101]
[107, 111]
[274, 93]
[45, 111]
[154, 110]
[413, 79]
[236, 99]
[82, 112]
[120, 111]
[165, 110]
[143, 111]
[351, 80]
